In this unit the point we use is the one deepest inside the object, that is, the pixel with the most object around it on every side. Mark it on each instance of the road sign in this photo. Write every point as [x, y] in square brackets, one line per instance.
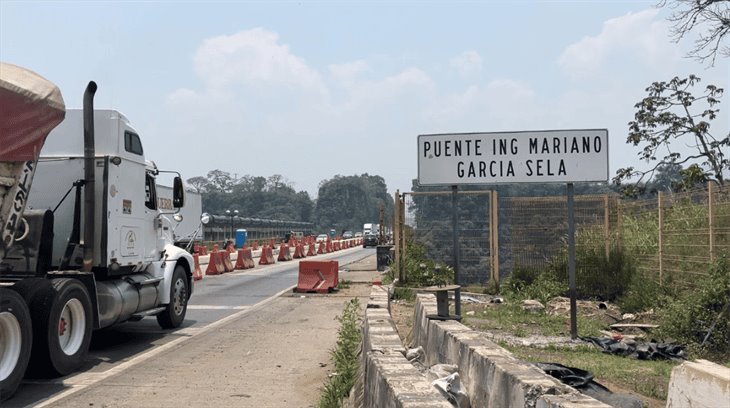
[513, 157]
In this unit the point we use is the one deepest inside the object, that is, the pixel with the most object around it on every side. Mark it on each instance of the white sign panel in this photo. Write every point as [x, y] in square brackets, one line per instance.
[513, 157]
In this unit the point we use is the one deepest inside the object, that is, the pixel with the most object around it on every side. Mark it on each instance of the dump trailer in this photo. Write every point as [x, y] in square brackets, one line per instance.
[87, 246]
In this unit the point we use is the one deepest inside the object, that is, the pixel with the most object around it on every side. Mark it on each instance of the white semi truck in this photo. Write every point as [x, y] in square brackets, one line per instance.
[88, 246]
[189, 230]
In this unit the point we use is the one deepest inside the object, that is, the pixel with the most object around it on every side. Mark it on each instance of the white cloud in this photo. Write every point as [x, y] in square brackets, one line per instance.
[349, 70]
[252, 57]
[467, 63]
[625, 40]
[500, 104]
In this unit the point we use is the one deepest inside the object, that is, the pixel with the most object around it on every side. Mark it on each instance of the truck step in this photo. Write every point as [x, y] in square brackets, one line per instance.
[150, 312]
[150, 281]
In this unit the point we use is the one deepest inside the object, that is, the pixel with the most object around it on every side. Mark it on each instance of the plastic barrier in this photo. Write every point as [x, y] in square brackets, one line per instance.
[267, 256]
[197, 273]
[284, 254]
[244, 259]
[321, 248]
[298, 252]
[336, 246]
[310, 250]
[226, 258]
[318, 276]
[329, 248]
[256, 245]
[215, 264]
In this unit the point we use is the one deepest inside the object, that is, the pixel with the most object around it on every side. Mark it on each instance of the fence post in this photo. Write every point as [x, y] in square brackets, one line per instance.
[661, 237]
[494, 239]
[710, 214]
[619, 226]
[396, 234]
[402, 222]
[606, 232]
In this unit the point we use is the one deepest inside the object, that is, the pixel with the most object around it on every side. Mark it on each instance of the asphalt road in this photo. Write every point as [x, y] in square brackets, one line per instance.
[218, 302]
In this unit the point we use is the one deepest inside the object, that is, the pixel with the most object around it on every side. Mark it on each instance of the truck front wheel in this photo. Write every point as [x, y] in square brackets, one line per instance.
[174, 312]
[61, 327]
[16, 337]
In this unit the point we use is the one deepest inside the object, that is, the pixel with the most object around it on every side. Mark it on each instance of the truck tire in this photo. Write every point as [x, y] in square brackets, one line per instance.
[174, 313]
[62, 324]
[16, 338]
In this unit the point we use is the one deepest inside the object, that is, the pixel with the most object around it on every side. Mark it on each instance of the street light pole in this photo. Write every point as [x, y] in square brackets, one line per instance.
[232, 214]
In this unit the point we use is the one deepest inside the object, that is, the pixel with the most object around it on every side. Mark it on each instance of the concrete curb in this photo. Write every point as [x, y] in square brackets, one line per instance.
[491, 375]
[387, 379]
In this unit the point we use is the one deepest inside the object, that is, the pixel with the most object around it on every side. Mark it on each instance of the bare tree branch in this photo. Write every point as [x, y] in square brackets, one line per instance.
[711, 17]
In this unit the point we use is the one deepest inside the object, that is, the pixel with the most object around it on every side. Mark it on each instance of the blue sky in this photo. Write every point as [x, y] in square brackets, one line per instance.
[313, 89]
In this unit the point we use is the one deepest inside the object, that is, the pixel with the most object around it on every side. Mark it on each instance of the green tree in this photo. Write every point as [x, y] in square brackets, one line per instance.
[671, 113]
[348, 202]
[198, 183]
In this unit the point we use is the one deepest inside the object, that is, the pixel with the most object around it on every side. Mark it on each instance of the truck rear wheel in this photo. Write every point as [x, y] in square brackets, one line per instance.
[16, 338]
[174, 313]
[62, 324]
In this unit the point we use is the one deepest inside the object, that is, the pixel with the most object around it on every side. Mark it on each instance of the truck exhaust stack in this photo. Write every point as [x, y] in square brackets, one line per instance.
[89, 169]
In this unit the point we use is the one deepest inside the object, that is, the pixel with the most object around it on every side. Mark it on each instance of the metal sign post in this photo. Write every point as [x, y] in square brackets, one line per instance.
[455, 228]
[571, 263]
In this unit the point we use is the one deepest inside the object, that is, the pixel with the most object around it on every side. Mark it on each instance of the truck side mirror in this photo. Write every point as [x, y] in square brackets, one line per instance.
[178, 193]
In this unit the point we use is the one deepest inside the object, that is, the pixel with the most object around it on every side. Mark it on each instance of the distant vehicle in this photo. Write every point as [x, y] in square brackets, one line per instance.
[347, 235]
[322, 238]
[368, 228]
[358, 234]
[370, 240]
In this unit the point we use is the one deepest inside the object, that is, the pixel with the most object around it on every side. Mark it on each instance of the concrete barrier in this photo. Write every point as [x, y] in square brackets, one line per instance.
[491, 375]
[387, 379]
[700, 384]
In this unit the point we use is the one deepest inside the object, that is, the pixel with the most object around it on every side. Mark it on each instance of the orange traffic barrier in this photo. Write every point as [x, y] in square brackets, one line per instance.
[284, 254]
[298, 252]
[197, 273]
[215, 264]
[267, 256]
[321, 248]
[310, 251]
[244, 259]
[329, 248]
[336, 246]
[226, 259]
[317, 276]
[255, 245]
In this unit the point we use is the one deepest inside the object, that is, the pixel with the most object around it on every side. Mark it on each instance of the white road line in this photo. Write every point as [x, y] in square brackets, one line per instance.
[216, 307]
[81, 381]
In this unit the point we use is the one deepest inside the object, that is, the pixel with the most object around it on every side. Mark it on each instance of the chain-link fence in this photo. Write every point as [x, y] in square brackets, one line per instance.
[669, 238]
[428, 220]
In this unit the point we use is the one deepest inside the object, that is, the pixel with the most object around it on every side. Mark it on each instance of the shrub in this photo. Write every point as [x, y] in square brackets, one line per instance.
[644, 293]
[344, 357]
[597, 276]
[522, 276]
[701, 319]
[421, 271]
[404, 294]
